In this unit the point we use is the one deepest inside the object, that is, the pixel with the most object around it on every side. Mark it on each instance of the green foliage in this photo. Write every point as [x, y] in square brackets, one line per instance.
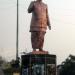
[9, 67]
[68, 67]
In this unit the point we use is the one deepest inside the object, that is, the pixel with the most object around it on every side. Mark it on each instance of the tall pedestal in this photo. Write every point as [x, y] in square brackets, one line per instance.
[38, 63]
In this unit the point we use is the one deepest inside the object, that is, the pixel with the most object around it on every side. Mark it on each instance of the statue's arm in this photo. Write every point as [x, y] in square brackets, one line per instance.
[31, 6]
[48, 20]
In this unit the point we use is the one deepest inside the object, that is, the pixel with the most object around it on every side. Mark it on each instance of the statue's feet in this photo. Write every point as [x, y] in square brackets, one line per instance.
[34, 49]
[40, 49]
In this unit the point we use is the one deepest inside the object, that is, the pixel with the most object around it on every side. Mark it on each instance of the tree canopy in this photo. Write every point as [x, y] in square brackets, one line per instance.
[68, 66]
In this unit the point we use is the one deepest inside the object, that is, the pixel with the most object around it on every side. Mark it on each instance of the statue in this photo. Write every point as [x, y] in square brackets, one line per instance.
[39, 23]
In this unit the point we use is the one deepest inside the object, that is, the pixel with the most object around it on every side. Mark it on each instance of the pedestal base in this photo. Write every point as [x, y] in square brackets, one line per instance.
[38, 63]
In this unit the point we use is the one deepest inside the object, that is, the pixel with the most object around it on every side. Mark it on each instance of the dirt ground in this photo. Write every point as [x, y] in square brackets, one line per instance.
[16, 74]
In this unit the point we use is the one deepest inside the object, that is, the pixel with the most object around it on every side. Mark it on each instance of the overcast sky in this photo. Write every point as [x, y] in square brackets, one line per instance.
[59, 41]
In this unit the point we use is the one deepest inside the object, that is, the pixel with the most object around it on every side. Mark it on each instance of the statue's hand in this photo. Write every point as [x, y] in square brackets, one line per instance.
[49, 27]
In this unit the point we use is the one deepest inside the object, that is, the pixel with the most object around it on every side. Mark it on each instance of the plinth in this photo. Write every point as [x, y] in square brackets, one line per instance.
[38, 63]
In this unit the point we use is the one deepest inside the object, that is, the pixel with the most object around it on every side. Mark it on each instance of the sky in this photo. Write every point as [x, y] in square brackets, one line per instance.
[60, 40]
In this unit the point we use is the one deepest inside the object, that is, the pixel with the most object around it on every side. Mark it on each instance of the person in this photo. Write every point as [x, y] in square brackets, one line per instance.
[39, 23]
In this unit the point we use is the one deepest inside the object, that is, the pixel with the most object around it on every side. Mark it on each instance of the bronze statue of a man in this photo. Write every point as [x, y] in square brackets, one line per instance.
[39, 23]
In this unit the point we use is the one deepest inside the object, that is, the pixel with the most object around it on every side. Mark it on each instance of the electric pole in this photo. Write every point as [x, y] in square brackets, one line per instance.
[17, 39]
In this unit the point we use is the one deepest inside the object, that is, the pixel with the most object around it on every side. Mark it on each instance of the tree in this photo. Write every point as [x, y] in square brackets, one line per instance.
[68, 66]
[2, 60]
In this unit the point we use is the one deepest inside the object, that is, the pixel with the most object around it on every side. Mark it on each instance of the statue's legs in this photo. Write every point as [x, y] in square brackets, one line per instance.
[37, 40]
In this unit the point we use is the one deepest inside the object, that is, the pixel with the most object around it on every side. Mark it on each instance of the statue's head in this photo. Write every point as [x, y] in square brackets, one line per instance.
[39, 0]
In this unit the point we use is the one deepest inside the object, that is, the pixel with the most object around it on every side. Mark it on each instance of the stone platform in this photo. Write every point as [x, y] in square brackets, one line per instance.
[38, 63]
